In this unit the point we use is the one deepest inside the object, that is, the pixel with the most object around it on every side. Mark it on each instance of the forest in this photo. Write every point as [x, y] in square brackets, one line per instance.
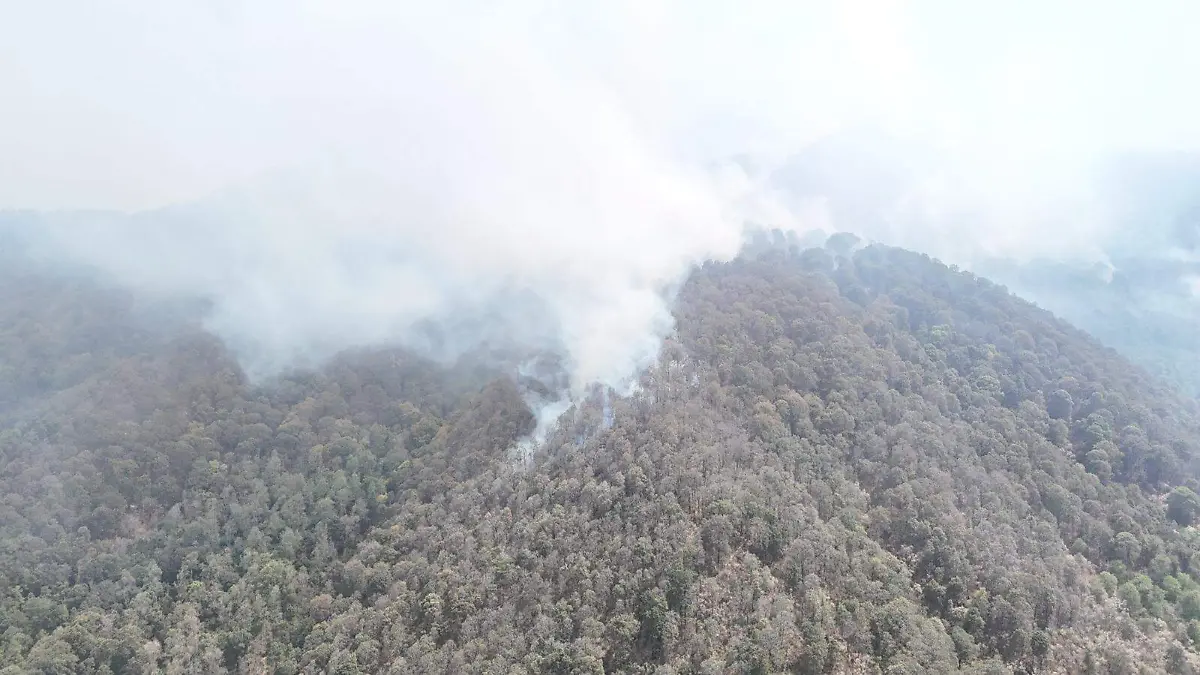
[1134, 285]
[846, 460]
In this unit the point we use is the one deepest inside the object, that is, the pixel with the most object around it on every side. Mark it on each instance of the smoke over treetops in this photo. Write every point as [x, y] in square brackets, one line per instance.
[339, 175]
[438, 173]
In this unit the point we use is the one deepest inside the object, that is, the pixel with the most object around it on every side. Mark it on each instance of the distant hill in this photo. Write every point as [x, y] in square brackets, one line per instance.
[847, 460]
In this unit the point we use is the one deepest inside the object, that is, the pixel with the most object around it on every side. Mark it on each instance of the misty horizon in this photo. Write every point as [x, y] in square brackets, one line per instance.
[333, 178]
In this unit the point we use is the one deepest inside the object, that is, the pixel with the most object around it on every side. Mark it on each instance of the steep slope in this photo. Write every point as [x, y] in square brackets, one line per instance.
[1144, 305]
[1136, 285]
[842, 463]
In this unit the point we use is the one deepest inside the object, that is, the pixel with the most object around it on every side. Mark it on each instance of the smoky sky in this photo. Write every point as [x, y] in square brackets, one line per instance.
[332, 174]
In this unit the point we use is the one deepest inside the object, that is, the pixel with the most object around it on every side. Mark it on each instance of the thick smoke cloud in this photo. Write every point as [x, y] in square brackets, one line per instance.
[419, 166]
[343, 174]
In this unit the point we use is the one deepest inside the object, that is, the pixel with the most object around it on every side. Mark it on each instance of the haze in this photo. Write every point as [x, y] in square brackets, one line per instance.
[340, 172]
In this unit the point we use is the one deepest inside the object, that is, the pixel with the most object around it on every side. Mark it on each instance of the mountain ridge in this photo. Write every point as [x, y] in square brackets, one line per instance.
[844, 461]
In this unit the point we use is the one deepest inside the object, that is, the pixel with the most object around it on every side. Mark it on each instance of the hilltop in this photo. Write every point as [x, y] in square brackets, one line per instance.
[844, 461]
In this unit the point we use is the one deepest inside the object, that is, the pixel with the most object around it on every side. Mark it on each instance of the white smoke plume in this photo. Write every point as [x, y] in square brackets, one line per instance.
[337, 174]
[419, 163]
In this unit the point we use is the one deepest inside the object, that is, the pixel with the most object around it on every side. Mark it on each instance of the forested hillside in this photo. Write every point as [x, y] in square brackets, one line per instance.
[865, 463]
[1145, 307]
[1134, 285]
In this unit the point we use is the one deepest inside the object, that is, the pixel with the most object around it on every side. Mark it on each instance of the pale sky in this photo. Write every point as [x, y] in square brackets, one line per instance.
[380, 163]
[132, 104]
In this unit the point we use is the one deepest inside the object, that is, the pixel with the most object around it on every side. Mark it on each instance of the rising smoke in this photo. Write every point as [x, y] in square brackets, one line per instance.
[432, 165]
[333, 175]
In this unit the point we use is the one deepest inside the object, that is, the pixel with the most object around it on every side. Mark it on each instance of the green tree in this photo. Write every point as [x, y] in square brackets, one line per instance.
[1183, 505]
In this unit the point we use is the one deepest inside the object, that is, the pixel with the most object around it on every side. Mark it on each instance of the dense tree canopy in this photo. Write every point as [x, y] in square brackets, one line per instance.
[844, 462]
